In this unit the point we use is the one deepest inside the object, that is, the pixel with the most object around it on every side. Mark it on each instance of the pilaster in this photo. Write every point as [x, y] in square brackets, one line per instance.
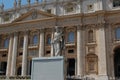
[102, 63]
[9, 55]
[24, 58]
[52, 36]
[14, 54]
[41, 43]
[79, 52]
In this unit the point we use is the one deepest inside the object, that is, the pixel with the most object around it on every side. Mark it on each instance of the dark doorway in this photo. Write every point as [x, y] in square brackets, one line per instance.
[117, 62]
[3, 67]
[29, 67]
[19, 71]
[71, 67]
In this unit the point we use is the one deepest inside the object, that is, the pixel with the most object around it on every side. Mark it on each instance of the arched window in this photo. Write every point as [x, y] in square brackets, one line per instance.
[71, 37]
[90, 36]
[117, 33]
[92, 63]
[35, 39]
[6, 43]
[48, 39]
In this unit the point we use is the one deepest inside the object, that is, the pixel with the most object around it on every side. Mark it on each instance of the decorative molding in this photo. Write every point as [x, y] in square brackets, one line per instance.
[34, 14]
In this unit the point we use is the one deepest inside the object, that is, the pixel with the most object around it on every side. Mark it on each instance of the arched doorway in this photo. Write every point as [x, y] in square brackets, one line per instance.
[117, 62]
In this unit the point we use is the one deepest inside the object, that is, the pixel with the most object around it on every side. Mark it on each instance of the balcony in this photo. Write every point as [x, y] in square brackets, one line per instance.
[3, 49]
[33, 46]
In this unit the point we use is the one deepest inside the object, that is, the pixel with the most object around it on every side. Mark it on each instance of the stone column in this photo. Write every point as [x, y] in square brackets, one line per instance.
[52, 36]
[9, 55]
[24, 57]
[41, 43]
[102, 61]
[14, 54]
[79, 52]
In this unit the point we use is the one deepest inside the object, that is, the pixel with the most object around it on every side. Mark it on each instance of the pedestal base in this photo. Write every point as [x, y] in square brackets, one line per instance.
[102, 77]
[95, 77]
[48, 68]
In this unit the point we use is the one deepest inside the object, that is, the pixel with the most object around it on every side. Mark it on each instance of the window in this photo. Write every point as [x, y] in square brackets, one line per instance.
[47, 53]
[6, 43]
[90, 36]
[35, 39]
[90, 7]
[117, 33]
[4, 55]
[71, 37]
[69, 8]
[116, 3]
[20, 54]
[71, 51]
[7, 17]
[48, 39]
[49, 10]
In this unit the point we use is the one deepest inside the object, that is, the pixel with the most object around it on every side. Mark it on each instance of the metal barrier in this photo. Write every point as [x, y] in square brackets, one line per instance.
[15, 78]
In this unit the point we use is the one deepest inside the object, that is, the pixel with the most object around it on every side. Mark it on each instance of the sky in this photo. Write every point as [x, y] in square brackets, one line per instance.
[9, 3]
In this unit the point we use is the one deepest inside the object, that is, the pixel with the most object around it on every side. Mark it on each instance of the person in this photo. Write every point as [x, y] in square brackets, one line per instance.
[57, 41]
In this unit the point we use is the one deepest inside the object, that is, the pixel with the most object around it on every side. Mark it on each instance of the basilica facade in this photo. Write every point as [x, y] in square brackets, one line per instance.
[91, 35]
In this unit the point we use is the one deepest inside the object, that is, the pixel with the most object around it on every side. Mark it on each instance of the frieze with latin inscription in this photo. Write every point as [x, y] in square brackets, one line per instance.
[70, 22]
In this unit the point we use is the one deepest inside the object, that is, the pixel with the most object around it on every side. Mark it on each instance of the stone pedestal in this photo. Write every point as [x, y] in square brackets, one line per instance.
[48, 68]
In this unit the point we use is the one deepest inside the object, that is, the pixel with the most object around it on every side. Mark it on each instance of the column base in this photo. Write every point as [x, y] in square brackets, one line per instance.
[102, 77]
[95, 77]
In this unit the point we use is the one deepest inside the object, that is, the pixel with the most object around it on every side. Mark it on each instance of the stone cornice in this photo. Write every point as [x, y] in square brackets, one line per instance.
[27, 22]
[66, 20]
[112, 12]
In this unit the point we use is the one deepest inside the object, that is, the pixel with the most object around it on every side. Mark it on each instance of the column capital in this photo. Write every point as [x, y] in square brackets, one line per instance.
[42, 30]
[26, 32]
[79, 27]
[15, 33]
[11, 34]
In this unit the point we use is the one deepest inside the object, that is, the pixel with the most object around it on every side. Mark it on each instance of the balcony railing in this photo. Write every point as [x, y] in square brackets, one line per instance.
[67, 78]
[15, 78]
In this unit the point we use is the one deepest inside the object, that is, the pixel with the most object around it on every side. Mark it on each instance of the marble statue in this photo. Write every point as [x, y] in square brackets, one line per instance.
[15, 4]
[57, 41]
[2, 7]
